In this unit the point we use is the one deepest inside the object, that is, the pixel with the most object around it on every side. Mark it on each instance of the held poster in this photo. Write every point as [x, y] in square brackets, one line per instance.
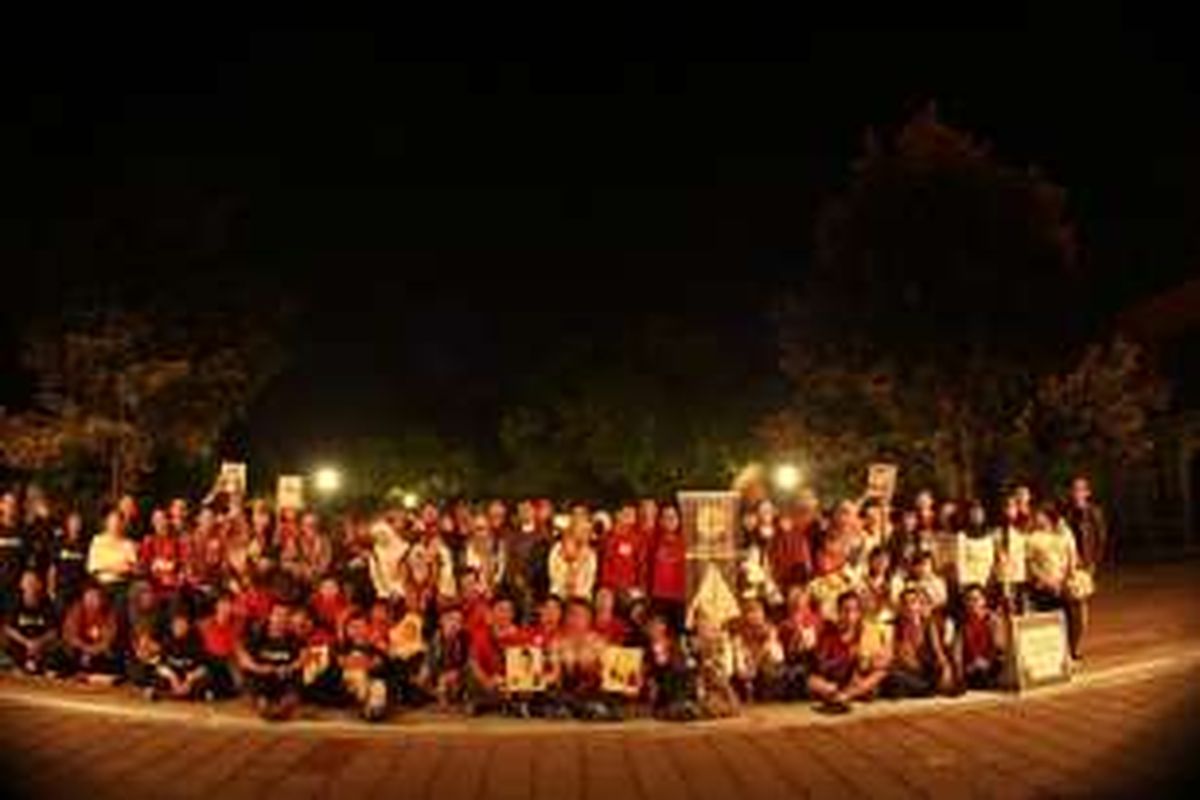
[524, 669]
[621, 670]
[881, 481]
[289, 493]
[232, 478]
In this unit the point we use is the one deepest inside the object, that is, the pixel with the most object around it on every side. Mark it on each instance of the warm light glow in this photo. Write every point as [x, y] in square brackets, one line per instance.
[410, 500]
[786, 477]
[327, 480]
[562, 521]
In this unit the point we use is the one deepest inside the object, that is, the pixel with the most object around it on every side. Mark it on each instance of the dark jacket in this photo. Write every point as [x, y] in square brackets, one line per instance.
[1090, 530]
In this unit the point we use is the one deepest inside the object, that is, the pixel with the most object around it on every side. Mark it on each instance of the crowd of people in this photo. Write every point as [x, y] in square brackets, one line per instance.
[410, 607]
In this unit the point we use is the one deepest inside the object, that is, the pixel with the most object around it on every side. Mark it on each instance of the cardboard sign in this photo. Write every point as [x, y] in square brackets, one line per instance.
[709, 526]
[232, 478]
[523, 669]
[975, 559]
[1040, 654]
[621, 670]
[289, 492]
[881, 481]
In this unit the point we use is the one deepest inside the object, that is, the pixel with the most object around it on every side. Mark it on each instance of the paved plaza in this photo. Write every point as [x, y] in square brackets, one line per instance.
[1122, 727]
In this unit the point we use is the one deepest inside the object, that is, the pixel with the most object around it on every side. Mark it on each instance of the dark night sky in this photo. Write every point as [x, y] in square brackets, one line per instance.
[446, 226]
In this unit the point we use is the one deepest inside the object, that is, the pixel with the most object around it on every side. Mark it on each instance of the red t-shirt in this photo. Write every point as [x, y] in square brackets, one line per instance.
[978, 644]
[613, 630]
[622, 565]
[329, 611]
[669, 572]
[160, 556]
[219, 640]
[836, 658]
[487, 646]
[255, 604]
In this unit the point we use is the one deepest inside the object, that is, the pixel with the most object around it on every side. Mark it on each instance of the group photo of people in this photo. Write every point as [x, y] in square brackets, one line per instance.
[531, 608]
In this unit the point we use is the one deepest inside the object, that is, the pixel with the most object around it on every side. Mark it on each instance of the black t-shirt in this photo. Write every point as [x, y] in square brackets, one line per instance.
[39, 543]
[35, 621]
[275, 651]
[70, 563]
[182, 655]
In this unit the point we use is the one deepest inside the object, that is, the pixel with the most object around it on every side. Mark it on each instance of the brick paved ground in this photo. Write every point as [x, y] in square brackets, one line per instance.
[1120, 730]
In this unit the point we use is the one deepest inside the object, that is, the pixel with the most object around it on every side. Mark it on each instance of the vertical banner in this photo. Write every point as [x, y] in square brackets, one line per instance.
[710, 526]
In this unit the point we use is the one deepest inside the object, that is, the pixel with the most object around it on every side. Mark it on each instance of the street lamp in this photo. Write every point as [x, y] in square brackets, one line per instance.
[410, 500]
[786, 477]
[327, 480]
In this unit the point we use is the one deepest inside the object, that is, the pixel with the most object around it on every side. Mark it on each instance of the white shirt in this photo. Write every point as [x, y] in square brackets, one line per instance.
[1051, 554]
[111, 558]
[387, 558]
[572, 579]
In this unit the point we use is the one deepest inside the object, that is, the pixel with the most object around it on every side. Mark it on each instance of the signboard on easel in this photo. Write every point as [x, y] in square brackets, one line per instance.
[1040, 655]
[710, 526]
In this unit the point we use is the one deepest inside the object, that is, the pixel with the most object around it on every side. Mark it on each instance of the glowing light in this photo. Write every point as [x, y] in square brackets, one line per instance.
[786, 477]
[410, 500]
[327, 480]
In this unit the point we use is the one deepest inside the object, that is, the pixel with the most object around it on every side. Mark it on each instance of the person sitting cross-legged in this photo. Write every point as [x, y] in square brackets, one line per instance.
[270, 662]
[981, 641]
[90, 636]
[840, 672]
[182, 672]
[757, 654]
[920, 666]
[30, 632]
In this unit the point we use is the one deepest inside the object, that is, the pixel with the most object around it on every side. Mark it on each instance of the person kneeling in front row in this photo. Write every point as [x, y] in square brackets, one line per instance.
[841, 672]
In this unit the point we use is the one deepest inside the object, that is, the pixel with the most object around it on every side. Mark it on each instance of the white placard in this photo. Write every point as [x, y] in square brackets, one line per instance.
[232, 478]
[881, 481]
[975, 559]
[289, 492]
